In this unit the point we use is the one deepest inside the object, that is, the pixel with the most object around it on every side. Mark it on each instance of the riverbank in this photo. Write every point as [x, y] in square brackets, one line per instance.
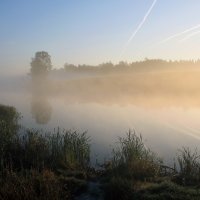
[56, 165]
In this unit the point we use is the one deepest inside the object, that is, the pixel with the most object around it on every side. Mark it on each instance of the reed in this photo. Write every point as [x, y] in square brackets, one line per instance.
[37, 150]
[132, 159]
[189, 166]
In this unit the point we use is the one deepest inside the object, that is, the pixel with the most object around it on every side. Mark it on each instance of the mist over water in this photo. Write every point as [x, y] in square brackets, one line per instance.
[162, 105]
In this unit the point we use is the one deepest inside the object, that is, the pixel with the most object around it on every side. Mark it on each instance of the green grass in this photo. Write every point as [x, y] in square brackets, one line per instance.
[33, 186]
[189, 166]
[167, 191]
[38, 150]
[132, 159]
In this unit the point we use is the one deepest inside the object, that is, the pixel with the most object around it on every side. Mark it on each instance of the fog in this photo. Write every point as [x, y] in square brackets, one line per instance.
[151, 89]
[162, 103]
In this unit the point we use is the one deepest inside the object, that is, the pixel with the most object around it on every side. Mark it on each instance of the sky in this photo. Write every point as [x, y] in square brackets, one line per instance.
[96, 31]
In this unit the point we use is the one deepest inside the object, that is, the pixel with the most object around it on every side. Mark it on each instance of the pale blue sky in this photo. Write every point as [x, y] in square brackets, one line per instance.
[94, 31]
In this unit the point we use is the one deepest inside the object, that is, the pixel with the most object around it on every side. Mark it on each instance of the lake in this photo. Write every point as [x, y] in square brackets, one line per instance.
[166, 120]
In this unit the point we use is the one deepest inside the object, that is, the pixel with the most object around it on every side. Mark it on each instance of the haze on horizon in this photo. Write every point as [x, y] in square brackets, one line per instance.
[93, 32]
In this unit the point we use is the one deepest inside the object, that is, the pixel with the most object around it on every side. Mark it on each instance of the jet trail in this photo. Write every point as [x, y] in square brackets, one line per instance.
[180, 130]
[138, 28]
[189, 36]
[179, 34]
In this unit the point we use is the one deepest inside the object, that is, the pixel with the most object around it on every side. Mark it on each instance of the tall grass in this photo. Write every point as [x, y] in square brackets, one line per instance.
[32, 160]
[33, 186]
[189, 166]
[37, 150]
[132, 159]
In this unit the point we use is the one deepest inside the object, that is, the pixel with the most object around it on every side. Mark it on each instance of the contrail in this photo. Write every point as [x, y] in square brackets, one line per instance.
[189, 36]
[138, 28]
[178, 129]
[179, 34]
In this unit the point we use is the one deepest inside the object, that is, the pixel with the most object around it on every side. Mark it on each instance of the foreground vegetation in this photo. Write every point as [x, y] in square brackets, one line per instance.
[135, 172]
[37, 165]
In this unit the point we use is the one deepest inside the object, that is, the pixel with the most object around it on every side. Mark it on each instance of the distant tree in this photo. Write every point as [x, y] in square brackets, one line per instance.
[106, 66]
[70, 67]
[41, 64]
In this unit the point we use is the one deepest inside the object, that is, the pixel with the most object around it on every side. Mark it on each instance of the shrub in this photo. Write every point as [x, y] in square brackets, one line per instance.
[189, 166]
[132, 159]
[9, 117]
[9, 127]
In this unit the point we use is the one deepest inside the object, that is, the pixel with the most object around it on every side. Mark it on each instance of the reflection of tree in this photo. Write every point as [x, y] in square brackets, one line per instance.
[40, 67]
[41, 109]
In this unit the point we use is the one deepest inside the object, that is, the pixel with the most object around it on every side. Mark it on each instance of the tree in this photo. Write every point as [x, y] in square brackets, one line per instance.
[9, 118]
[41, 64]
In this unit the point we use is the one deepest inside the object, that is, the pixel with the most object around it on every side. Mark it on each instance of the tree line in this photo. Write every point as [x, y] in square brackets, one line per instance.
[41, 65]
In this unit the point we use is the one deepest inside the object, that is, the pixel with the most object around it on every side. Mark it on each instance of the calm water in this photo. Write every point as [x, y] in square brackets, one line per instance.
[165, 128]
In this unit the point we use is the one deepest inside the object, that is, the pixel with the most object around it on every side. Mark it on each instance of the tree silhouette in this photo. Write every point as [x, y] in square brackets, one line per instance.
[41, 64]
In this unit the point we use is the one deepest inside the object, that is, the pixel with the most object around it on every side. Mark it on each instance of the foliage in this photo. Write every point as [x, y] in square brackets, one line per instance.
[33, 186]
[165, 191]
[146, 64]
[54, 165]
[40, 64]
[9, 118]
[132, 159]
[40, 165]
[58, 150]
[189, 166]
[9, 127]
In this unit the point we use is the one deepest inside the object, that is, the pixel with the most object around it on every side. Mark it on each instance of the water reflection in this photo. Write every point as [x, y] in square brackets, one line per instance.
[41, 109]
[164, 108]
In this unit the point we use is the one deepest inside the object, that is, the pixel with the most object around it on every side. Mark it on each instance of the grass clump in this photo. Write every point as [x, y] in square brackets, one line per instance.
[133, 160]
[166, 190]
[33, 186]
[35, 150]
[189, 166]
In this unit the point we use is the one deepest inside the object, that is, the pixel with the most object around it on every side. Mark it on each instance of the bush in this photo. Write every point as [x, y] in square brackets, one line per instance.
[133, 160]
[189, 166]
[9, 117]
[9, 127]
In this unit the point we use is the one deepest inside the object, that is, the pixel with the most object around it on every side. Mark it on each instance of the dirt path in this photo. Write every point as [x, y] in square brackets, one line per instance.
[94, 192]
